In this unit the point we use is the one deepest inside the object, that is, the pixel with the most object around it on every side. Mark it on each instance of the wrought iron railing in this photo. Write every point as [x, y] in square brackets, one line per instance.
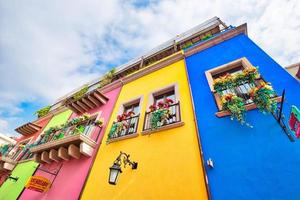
[130, 127]
[174, 116]
[243, 90]
[83, 128]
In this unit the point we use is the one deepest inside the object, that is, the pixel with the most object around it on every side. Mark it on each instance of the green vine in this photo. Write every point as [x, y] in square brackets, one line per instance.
[235, 106]
[262, 97]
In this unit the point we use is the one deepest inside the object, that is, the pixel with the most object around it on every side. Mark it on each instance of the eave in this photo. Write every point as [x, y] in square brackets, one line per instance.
[28, 129]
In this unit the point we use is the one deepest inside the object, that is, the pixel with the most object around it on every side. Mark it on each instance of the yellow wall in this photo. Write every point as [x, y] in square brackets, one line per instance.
[169, 164]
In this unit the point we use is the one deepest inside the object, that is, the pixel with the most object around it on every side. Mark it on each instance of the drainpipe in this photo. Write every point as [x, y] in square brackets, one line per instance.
[198, 133]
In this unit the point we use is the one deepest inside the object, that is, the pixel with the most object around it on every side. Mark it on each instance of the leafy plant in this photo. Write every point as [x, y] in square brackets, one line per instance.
[43, 111]
[262, 97]
[59, 136]
[160, 113]
[108, 78]
[187, 45]
[235, 106]
[78, 95]
[206, 37]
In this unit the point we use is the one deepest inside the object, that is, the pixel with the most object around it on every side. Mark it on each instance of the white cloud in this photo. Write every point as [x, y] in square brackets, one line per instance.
[48, 48]
[3, 125]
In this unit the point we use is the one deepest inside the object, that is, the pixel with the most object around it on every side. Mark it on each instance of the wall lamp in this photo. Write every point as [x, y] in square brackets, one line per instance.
[115, 169]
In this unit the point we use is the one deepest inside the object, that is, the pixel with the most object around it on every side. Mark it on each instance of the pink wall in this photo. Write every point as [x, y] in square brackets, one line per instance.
[43, 122]
[71, 177]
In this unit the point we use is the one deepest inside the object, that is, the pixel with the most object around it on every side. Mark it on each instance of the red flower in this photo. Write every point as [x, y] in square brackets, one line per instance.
[152, 107]
[168, 102]
[130, 114]
[161, 104]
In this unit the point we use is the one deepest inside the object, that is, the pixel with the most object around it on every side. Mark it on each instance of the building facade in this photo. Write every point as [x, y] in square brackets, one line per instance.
[168, 156]
[259, 162]
[66, 155]
[195, 118]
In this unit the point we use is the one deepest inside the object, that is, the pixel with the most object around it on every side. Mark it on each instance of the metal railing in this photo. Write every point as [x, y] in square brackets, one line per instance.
[174, 117]
[243, 89]
[83, 128]
[132, 124]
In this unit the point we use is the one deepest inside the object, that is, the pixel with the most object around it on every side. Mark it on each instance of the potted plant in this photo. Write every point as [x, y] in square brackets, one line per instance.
[120, 125]
[160, 113]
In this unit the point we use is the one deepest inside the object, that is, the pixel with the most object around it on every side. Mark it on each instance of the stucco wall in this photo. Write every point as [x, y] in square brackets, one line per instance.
[169, 164]
[258, 163]
[71, 177]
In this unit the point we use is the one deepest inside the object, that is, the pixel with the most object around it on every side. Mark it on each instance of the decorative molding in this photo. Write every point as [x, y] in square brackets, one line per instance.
[133, 135]
[216, 40]
[163, 128]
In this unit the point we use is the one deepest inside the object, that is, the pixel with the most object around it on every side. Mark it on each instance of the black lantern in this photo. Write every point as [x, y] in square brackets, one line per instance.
[115, 170]
[114, 173]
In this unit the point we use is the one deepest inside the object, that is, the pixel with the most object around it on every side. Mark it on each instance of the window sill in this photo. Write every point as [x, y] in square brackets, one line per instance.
[133, 135]
[251, 106]
[162, 128]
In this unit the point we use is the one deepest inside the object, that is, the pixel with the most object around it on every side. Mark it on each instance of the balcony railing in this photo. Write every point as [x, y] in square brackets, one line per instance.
[173, 117]
[243, 89]
[129, 126]
[68, 142]
[8, 157]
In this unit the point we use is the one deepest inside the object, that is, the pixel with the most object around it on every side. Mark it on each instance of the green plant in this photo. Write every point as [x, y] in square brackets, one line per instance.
[262, 97]
[43, 111]
[235, 106]
[158, 117]
[206, 37]
[78, 95]
[107, 78]
[187, 45]
[59, 136]
[117, 128]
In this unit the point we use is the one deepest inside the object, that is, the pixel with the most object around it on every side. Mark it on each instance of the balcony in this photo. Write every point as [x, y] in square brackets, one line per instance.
[124, 129]
[242, 90]
[86, 102]
[171, 118]
[8, 157]
[68, 142]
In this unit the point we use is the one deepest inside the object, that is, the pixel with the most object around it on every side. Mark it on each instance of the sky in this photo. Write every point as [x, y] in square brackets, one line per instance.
[49, 48]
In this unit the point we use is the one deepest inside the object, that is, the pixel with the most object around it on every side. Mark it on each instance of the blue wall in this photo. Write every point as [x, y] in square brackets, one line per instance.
[257, 163]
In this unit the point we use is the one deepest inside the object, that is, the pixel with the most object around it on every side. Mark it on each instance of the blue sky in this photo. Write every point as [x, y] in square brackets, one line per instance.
[48, 48]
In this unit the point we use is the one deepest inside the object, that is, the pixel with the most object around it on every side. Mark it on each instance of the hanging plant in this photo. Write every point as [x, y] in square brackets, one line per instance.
[160, 113]
[78, 95]
[262, 97]
[4, 149]
[235, 106]
[42, 112]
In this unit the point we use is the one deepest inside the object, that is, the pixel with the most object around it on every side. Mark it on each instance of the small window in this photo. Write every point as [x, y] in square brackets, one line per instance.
[127, 121]
[166, 100]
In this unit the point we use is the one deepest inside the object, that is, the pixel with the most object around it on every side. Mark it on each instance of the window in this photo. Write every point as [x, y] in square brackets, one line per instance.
[127, 121]
[165, 100]
[240, 89]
